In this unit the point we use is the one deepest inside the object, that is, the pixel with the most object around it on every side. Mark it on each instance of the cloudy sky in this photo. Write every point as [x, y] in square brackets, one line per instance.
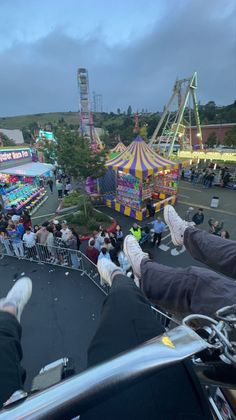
[133, 49]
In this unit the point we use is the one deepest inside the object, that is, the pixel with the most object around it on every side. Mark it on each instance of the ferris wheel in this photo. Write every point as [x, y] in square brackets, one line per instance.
[180, 113]
[86, 117]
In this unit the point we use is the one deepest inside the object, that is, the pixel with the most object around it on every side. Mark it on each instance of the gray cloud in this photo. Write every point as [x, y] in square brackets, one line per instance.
[41, 76]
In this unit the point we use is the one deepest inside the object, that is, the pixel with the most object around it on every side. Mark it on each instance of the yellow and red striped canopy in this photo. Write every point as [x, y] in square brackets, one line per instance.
[140, 160]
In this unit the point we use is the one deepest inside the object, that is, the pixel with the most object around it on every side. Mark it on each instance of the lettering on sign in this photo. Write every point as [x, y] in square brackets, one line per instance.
[5, 156]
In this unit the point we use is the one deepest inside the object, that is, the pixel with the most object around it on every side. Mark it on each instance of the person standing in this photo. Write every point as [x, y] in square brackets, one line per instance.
[15, 238]
[158, 226]
[41, 239]
[119, 234]
[59, 187]
[26, 219]
[91, 252]
[150, 207]
[29, 239]
[68, 188]
[50, 184]
[226, 179]
[136, 231]
[198, 218]
[73, 243]
[65, 231]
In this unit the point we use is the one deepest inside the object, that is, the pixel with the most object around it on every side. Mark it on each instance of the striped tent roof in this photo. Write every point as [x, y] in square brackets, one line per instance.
[120, 147]
[140, 160]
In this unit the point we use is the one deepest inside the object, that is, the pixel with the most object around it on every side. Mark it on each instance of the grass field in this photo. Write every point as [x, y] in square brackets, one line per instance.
[21, 121]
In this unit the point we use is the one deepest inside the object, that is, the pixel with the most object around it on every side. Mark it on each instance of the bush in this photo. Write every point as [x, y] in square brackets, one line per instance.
[92, 224]
[72, 199]
[100, 217]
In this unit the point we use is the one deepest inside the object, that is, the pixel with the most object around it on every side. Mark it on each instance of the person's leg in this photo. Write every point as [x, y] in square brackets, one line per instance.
[212, 250]
[127, 320]
[159, 236]
[154, 238]
[187, 290]
[16, 250]
[216, 252]
[12, 375]
[21, 249]
[180, 290]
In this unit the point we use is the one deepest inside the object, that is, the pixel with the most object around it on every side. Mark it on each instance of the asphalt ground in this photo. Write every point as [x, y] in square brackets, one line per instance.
[61, 316]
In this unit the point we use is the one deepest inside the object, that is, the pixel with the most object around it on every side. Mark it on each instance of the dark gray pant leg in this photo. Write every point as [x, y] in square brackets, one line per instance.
[11, 373]
[186, 290]
[216, 252]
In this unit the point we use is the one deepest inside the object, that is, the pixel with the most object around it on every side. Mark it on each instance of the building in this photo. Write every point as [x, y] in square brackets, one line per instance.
[219, 129]
[14, 135]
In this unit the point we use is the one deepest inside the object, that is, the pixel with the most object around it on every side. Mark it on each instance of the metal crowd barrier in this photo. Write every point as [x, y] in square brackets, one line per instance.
[56, 256]
[67, 258]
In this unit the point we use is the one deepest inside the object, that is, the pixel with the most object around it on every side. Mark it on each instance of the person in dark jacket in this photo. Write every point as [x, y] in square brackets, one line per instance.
[50, 184]
[150, 207]
[198, 218]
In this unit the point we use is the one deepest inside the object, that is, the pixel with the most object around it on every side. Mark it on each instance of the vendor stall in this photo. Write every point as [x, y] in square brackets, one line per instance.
[141, 175]
[20, 186]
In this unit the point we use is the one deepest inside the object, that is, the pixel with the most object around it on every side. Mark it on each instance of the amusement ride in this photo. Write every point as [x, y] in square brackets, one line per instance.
[87, 128]
[174, 126]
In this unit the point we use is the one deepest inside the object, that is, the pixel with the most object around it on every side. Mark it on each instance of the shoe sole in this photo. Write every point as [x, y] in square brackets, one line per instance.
[127, 255]
[168, 222]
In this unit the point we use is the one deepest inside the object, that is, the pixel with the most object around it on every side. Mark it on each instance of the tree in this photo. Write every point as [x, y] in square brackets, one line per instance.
[118, 111]
[230, 137]
[129, 110]
[76, 157]
[5, 141]
[27, 135]
[212, 139]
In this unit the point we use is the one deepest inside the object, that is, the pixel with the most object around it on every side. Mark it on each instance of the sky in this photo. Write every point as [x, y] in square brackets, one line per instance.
[133, 49]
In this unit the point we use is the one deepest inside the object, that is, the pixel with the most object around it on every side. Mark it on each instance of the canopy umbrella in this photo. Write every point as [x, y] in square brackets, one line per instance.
[140, 160]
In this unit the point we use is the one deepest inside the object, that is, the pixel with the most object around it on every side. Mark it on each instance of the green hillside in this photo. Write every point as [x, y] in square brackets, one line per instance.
[22, 121]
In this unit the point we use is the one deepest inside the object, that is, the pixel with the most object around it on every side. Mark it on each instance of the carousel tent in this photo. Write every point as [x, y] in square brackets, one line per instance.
[120, 147]
[140, 160]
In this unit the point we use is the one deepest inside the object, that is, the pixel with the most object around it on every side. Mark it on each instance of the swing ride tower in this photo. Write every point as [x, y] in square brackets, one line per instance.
[173, 126]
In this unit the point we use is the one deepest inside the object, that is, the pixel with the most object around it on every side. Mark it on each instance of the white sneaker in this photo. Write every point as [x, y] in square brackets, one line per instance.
[18, 296]
[176, 224]
[134, 253]
[107, 270]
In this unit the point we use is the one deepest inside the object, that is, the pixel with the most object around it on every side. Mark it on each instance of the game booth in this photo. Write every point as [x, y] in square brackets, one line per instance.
[141, 174]
[20, 184]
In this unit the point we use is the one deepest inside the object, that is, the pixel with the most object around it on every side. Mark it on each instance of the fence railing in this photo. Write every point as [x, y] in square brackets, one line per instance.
[66, 258]
[53, 255]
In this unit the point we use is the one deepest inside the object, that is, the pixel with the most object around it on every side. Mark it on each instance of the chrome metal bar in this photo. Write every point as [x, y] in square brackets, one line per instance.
[74, 395]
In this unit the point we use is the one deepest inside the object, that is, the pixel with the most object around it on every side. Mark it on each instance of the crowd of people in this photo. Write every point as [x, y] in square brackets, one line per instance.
[215, 226]
[207, 176]
[109, 245]
[48, 242]
[63, 183]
